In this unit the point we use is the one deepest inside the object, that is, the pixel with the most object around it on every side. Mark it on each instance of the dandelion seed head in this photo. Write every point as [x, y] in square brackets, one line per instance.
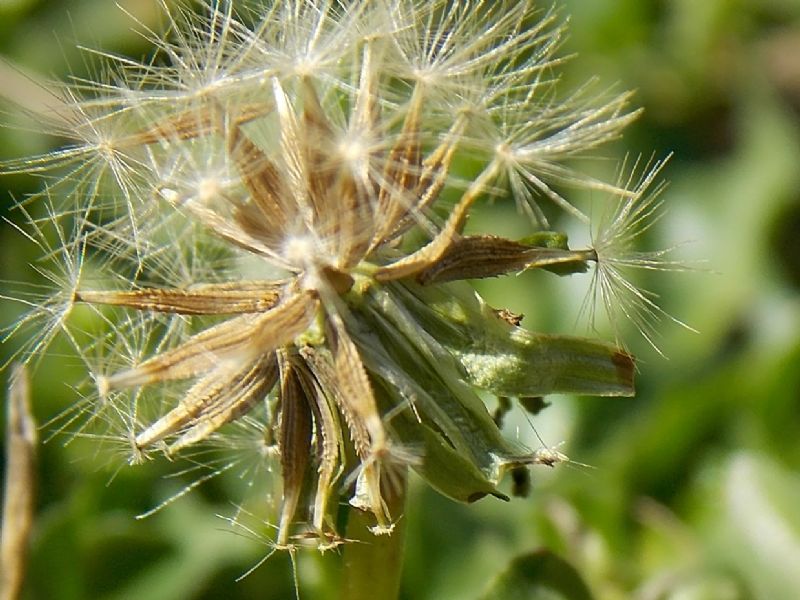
[316, 142]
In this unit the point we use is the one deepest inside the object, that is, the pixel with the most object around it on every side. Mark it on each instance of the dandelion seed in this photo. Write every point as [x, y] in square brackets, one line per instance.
[614, 241]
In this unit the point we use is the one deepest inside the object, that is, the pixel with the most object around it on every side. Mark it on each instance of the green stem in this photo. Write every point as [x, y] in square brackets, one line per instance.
[373, 563]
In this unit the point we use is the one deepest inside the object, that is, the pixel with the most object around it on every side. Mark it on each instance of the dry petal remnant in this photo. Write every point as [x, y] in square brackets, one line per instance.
[314, 142]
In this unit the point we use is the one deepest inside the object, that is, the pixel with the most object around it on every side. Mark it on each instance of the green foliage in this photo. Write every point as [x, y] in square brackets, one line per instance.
[538, 576]
[694, 486]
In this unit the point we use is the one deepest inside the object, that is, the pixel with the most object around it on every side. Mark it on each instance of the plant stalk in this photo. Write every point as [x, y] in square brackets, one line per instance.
[373, 564]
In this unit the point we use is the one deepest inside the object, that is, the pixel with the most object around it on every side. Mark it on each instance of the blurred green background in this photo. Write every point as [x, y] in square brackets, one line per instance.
[693, 488]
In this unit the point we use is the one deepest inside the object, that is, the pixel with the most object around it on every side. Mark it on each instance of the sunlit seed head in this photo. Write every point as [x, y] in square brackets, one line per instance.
[320, 139]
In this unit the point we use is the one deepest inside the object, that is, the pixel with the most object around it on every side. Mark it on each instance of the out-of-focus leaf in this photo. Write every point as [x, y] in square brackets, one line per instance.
[539, 575]
[761, 506]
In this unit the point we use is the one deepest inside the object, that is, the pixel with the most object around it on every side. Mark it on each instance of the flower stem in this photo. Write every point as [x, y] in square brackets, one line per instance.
[373, 563]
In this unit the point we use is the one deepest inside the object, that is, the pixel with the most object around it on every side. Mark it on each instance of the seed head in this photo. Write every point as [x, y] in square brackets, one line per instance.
[268, 210]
